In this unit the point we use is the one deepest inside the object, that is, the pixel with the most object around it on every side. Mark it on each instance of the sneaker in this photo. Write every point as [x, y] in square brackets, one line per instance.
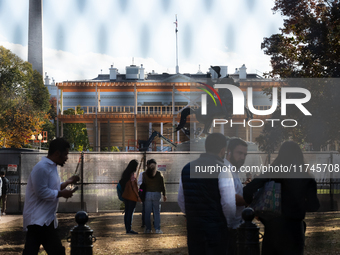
[158, 231]
[3, 213]
[147, 231]
[132, 232]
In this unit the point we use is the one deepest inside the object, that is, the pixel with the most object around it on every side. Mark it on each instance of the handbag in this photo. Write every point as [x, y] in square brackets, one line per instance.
[128, 193]
[142, 190]
[267, 201]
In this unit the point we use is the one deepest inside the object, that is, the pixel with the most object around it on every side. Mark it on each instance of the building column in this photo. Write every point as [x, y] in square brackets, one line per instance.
[61, 129]
[57, 133]
[123, 135]
[247, 133]
[61, 102]
[173, 110]
[94, 131]
[135, 119]
[98, 136]
[109, 134]
[161, 134]
[222, 129]
[98, 103]
[178, 135]
[150, 133]
[250, 134]
[194, 130]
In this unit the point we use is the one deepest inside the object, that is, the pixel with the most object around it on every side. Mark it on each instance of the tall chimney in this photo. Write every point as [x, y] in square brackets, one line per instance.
[47, 79]
[141, 72]
[113, 73]
[35, 35]
[243, 72]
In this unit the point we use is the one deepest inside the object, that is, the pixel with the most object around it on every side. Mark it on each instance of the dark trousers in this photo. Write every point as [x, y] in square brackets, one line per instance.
[232, 239]
[128, 216]
[45, 235]
[3, 203]
[283, 237]
[202, 243]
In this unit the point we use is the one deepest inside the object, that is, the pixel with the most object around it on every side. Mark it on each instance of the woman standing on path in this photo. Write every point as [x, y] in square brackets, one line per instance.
[130, 194]
[285, 234]
[154, 182]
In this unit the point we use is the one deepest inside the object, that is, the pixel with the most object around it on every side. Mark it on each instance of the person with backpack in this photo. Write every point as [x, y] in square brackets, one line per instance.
[4, 191]
[129, 187]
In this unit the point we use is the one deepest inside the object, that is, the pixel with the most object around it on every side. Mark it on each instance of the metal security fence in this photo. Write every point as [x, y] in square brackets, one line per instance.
[101, 172]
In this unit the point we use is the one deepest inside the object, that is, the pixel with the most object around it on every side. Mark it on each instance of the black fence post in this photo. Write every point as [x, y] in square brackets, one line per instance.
[81, 236]
[82, 182]
[248, 241]
[331, 185]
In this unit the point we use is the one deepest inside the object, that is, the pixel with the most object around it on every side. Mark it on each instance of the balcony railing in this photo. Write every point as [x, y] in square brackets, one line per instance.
[146, 110]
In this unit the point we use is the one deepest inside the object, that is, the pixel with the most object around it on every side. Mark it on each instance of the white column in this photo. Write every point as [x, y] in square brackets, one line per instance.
[161, 134]
[222, 129]
[135, 119]
[194, 130]
[150, 133]
[178, 135]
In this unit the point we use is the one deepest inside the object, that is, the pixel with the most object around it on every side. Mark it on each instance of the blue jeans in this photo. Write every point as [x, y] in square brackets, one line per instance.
[128, 216]
[152, 202]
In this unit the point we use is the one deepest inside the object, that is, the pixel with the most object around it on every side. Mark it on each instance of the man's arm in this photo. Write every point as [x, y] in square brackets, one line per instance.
[71, 180]
[227, 192]
[39, 178]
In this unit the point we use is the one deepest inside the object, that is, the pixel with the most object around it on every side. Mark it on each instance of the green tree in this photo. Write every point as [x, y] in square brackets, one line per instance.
[76, 133]
[23, 100]
[308, 47]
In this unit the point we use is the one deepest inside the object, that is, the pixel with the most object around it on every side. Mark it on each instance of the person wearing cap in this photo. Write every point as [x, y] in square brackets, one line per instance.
[155, 187]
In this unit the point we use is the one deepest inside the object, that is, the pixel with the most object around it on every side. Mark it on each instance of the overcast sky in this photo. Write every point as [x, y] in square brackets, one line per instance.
[83, 37]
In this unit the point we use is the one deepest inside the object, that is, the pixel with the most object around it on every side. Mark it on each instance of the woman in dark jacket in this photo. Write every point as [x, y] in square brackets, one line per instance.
[285, 235]
[129, 182]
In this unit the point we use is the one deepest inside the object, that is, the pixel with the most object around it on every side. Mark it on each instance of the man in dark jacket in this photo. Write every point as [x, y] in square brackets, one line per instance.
[207, 199]
[5, 190]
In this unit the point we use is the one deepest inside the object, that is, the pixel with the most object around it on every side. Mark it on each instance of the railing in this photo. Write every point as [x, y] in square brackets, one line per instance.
[148, 110]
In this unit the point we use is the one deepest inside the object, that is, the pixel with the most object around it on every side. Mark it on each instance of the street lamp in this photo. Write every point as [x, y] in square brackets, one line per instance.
[33, 138]
[40, 138]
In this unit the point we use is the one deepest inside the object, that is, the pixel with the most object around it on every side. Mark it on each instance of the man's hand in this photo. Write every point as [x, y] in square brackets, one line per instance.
[66, 193]
[164, 198]
[73, 179]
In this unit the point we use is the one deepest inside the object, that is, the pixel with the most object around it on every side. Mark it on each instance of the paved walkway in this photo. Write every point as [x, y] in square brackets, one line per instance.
[7, 218]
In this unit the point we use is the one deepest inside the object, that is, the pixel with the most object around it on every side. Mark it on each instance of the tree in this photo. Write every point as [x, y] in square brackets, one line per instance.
[308, 47]
[76, 133]
[23, 100]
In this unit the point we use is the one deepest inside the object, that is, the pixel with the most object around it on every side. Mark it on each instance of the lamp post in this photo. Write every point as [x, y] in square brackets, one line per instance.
[33, 138]
[39, 138]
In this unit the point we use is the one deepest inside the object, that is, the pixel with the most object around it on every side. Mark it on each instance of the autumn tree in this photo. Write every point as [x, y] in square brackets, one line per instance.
[23, 100]
[308, 47]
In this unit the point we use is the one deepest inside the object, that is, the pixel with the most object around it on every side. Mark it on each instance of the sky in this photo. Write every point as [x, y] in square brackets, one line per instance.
[83, 38]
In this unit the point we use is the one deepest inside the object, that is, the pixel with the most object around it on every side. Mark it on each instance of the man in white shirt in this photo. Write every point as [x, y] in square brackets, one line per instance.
[42, 198]
[207, 199]
[236, 156]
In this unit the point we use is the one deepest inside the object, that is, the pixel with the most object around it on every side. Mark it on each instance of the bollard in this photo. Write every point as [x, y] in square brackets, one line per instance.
[81, 238]
[248, 242]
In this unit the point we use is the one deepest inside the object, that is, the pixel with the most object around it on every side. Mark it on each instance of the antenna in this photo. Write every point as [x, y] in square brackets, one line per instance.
[176, 30]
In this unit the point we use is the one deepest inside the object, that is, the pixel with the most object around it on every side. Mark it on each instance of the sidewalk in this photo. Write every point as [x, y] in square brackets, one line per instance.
[7, 218]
